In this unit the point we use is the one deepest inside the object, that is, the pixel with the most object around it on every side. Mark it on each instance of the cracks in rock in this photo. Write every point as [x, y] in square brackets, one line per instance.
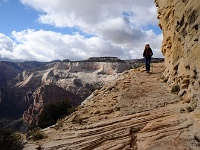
[133, 135]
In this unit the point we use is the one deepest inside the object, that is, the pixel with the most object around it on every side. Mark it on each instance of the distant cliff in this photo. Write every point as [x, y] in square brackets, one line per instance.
[30, 85]
[180, 23]
[9, 70]
[73, 81]
[13, 99]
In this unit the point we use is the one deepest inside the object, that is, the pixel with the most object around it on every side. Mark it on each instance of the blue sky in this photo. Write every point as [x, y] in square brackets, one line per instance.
[79, 29]
[15, 16]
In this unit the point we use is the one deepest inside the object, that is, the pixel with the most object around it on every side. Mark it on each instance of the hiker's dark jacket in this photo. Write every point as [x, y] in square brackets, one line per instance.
[147, 53]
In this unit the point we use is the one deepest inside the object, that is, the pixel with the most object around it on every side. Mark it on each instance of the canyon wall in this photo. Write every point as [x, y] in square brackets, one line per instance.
[27, 92]
[9, 70]
[67, 80]
[39, 83]
[180, 23]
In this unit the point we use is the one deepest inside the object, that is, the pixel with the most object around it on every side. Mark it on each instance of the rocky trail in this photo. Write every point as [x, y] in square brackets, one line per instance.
[135, 111]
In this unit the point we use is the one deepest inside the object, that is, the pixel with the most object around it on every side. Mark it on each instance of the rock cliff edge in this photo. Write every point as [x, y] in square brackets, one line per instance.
[180, 23]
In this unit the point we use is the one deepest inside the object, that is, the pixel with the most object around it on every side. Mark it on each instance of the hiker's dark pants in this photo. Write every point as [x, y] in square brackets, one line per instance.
[147, 63]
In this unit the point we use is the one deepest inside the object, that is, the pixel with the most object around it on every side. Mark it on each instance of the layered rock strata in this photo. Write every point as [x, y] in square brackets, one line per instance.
[180, 23]
[67, 80]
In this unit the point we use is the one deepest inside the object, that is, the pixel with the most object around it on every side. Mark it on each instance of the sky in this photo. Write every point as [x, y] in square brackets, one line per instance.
[46, 30]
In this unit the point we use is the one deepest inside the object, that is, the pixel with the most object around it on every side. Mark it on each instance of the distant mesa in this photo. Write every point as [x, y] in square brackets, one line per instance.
[55, 61]
[66, 60]
[104, 59]
[97, 59]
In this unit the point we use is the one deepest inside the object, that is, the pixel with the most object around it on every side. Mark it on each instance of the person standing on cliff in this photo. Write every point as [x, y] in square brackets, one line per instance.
[147, 54]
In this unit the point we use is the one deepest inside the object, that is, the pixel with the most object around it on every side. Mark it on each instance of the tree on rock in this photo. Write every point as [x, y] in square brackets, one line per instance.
[52, 112]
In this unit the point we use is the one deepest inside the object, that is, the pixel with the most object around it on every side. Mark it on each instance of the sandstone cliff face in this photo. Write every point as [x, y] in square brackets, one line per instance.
[14, 99]
[68, 71]
[9, 70]
[180, 22]
[47, 94]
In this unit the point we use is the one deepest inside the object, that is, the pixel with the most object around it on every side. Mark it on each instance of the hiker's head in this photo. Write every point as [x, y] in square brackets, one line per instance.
[147, 46]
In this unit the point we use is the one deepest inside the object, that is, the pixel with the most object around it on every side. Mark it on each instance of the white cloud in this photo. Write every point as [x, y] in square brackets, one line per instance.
[116, 26]
[5, 43]
[47, 45]
[64, 13]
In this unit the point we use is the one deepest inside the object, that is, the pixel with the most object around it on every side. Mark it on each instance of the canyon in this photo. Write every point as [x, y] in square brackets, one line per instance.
[139, 111]
[26, 87]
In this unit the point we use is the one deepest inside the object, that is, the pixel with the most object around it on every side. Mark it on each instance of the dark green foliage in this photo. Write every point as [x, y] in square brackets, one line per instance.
[35, 135]
[10, 140]
[32, 126]
[52, 112]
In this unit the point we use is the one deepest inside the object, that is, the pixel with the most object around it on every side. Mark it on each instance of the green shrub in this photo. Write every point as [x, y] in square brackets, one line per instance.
[38, 136]
[32, 126]
[10, 140]
[59, 124]
[35, 135]
[52, 112]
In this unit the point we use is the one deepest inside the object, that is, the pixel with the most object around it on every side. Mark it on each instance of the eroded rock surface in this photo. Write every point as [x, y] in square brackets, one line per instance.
[180, 22]
[135, 111]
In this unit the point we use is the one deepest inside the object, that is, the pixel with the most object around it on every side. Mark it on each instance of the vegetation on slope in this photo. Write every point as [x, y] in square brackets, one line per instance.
[10, 140]
[52, 112]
